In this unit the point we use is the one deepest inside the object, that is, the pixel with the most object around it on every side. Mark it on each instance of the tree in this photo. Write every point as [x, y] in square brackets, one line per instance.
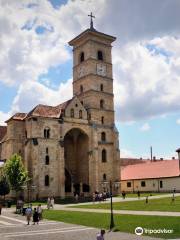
[4, 186]
[16, 173]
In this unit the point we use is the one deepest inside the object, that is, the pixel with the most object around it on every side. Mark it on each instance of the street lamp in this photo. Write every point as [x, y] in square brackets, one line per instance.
[112, 217]
[116, 186]
[29, 187]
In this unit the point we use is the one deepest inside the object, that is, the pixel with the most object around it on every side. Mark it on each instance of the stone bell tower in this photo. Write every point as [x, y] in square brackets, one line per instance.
[92, 74]
[93, 85]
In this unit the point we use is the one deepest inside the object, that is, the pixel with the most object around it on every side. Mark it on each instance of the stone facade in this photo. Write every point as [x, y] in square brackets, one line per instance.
[72, 147]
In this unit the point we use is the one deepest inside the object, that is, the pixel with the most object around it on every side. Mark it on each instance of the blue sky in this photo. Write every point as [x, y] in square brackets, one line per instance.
[36, 64]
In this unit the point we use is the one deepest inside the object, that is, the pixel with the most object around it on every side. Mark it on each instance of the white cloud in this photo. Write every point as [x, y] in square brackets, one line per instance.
[4, 117]
[178, 121]
[125, 153]
[146, 84]
[25, 54]
[146, 55]
[145, 127]
[31, 94]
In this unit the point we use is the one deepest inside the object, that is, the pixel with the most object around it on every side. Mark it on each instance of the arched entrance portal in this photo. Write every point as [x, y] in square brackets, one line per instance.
[76, 144]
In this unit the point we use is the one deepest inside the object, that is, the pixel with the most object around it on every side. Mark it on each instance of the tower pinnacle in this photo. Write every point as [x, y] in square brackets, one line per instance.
[91, 22]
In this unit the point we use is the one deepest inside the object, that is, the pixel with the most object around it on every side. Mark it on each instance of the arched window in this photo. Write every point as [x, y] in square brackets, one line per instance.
[46, 133]
[104, 155]
[104, 177]
[46, 181]
[103, 136]
[99, 55]
[72, 112]
[102, 120]
[47, 160]
[101, 103]
[80, 113]
[101, 87]
[82, 57]
[81, 88]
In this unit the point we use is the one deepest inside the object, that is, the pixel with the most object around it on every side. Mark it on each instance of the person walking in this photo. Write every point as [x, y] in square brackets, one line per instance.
[138, 193]
[35, 216]
[28, 214]
[100, 236]
[48, 203]
[0, 208]
[52, 202]
[94, 197]
[39, 210]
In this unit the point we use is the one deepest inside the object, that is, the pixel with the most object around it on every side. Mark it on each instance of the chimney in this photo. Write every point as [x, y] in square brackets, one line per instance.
[154, 158]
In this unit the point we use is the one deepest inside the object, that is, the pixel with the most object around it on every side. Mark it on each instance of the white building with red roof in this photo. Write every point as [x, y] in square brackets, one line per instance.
[151, 176]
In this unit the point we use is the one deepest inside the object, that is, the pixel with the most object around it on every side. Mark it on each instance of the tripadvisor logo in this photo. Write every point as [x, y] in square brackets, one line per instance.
[139, 231]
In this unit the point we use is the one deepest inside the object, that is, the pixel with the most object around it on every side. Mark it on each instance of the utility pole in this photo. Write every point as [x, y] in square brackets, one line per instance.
[151, 153]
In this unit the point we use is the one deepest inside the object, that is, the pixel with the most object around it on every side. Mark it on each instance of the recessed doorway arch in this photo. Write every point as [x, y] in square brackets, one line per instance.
[76, 148]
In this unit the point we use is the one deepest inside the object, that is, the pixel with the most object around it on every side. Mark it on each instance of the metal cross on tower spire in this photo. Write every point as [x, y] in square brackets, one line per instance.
[91, 23]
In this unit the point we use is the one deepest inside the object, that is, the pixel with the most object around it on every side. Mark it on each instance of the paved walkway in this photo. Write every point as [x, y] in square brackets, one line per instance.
[131, 212]
[13, 226]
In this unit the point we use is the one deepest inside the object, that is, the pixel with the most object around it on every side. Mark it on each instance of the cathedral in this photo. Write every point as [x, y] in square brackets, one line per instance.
[74, 146]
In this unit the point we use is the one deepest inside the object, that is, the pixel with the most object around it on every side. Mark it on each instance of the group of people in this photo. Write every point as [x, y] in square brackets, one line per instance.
[100, 196]
[50, 203]
[36, 214]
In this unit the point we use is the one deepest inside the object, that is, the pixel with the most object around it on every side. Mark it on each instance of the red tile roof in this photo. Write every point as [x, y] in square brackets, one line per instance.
[45, 111]
[18, 116]
[48, 111]
[157, 169]
[3, 130]
[42, 111]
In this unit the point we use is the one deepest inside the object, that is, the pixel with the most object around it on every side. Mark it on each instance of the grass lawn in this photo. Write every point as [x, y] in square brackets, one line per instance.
[124, 223]
[163, 204]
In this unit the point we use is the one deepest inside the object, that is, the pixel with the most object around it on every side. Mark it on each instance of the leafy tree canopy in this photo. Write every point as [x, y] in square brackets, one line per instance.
[4, 185]
[16, 172]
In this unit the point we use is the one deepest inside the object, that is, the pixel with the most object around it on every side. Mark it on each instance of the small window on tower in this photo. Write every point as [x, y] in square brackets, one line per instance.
[47, 150]
[103, 136]
[46, 181]
[104, 177]
[47, 160]
[101, 103]
[102, 87]
[81, 88]
[104, 155]
[102, 120]
[100, 55]
[82, 57]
